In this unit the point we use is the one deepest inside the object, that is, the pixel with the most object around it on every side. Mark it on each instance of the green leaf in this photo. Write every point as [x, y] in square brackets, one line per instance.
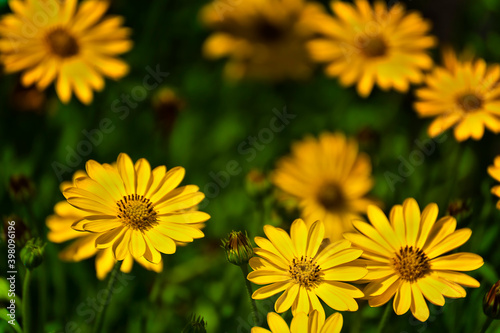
[4, 314]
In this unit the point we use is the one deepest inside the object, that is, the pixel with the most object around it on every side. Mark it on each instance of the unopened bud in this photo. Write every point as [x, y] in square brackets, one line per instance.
[491, 302]
[32, 253]
[238, 248]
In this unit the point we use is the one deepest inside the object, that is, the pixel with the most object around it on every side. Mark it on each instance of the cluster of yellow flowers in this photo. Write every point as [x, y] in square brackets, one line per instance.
[128, 212]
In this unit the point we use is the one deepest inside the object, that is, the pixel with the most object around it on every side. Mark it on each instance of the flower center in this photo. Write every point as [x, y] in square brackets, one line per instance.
[330, 196]
[469, 102]
[268, 31]
[411, 264]
[374, 47]
[62, 43]
[305, 272]
[137, 212]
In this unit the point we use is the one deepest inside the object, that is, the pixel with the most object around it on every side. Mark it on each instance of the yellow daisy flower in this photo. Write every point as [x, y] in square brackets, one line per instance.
[301, 269]
[374, 45]
[56, 41]
[264, 39]
[494, 171]
[136, 210]
[404, 258]
[330, 178]
[302, 323]
[463, 93]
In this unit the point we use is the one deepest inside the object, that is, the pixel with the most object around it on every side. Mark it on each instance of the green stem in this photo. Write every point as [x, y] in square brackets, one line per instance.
[244, 270]
[26, 302]
[102, 314]
[486, 325]
[385, 318]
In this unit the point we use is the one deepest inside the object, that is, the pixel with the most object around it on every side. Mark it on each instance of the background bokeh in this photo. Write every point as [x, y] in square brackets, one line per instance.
[218, 118]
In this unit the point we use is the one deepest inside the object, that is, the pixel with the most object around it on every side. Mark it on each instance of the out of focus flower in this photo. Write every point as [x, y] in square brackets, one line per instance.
[264, 39]
[491, 302]
[83, 247]
[136, 210]
[330, 178]
[167, 106]
[459, 209]
[368, 45]
[464, 94]
[302, 323]
[494, 171]
[404, 257]
[238, 248]
[257, 183]
[32, 253]
[303, 270]
[21, 187]
[75, 47]
[28, 99]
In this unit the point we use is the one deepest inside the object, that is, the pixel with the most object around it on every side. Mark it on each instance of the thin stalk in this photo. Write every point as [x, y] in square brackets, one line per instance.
[102, 314]
[244, 270]
[486, 325]
[385, 318]
[26, 302]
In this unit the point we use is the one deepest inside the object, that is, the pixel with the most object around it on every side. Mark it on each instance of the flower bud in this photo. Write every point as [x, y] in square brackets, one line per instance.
[238, 248]
[491, 302]
[32, 253]
[460, 209]
[21, 188]
[197, 325]
[256, 183]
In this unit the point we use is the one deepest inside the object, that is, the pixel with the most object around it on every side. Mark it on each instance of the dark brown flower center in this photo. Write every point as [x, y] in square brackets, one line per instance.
[411, 263]
[374, 47]
[268, 31]
[62, 43]
[330, 196]
[137, 212]
[305, 272]
[470, 102]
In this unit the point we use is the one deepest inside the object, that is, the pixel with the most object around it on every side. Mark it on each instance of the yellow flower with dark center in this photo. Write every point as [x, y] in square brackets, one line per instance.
[56, 41]
[136, 210]
[374, 45]
[302, 323]
[330, 178]
[404, 257]
[494, 171]
[264, 39]
[299, 267]
[84, 247]
[464, 94]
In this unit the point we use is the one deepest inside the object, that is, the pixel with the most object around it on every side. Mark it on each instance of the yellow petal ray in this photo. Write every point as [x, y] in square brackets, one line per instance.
[429, 216]
[281, 241]
[270, 290]
[412, 220]
[285, 301]
[383, 226]
[462, 261]
[340, 258]
[121, 245]
[419, 307]
[403, 298]
[458, 278]
[378, 287]
[333, 324]
[127, 172]
[143, 172]
[276, 323]
[345, 273]
[430, 292]
[160, 242]
[106, 239]
[449, 243]
[137, 244]
[314, 238]
[398, 223]
[298, 234]
[268, 276]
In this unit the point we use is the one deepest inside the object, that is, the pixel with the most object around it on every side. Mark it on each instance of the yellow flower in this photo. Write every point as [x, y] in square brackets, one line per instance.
[54, 41]
[84, 245]
[387, 47]
[330, 178]
[404, 258]
[463, 93]
[264, 39]
[494, 171]
[302, 323]
[304, 270]
[136, 210]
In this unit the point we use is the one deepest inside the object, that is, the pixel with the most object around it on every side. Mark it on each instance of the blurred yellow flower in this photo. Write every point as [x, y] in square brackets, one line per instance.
[330, 178]
[136, 210]
[56, 41]
[404, 258]
[264, 39]
[494, 171]
[84, 245]
[463, 93]
[304, 270]
[374, 45]
[302, 323]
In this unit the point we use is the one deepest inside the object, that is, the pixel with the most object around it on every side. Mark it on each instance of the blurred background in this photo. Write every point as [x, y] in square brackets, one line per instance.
[197, 119]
